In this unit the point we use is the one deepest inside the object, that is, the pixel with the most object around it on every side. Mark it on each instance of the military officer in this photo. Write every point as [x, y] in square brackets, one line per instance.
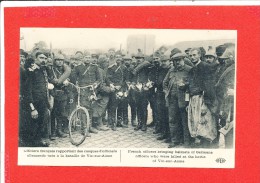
[174, 86]
[61, 95]
[37, 97]
[162, 109]
[87, 74]
[142, 86]
[116, 81]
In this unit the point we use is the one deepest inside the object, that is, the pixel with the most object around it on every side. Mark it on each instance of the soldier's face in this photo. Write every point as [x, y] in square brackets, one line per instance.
[139, 60]
[111, 54]
[179, 62]
[41, 60]
[165, 63]
[209, 59]
[87, 59]
[195, 56]
[22, 59]
[59, 62]
[94, 60]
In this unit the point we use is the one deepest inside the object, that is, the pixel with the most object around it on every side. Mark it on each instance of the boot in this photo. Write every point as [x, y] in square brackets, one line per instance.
[66, 126]
[144, 127]
[162, 137]
[138, 127]
[59, 130]
[53, 136]
[152, 124]
[100, 125]
[92, 130]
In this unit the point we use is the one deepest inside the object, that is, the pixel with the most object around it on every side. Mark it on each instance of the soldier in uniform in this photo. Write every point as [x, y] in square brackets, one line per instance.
[224, 86]
[37, 98]
[116, 81]
[122, 112]
[153, 76]
[162, 109]
[23, 108]
[142, 86]
[61, 95]
[103, 92]
[175, 85]
[87, 74]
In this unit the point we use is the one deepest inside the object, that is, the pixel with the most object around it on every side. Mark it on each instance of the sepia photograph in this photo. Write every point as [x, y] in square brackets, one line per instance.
[127, 88]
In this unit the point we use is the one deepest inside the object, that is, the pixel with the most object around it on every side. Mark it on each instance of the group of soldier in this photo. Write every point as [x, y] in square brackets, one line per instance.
[191, 94]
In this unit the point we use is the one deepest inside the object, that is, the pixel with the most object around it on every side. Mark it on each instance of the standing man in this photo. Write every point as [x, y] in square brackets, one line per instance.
[153, 76]
[37, 97]
[23, 108]
[201, 120]
[116, 81]
[162, 109]
[175, 86]
[225, 94]
[87, 74]
[61, 95]
[142, 91]
[103, 92]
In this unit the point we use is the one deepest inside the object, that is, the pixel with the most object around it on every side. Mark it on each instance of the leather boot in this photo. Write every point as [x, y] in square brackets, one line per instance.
[92, 130]
[144, 127]
[138, 127]
[100, 125]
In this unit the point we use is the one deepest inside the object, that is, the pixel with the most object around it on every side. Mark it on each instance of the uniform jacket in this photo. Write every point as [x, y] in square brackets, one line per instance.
[170, 84]
[37, 86]
[157, 75]
[142, 72]
[86, 74]
[116, 75]
[57, 76]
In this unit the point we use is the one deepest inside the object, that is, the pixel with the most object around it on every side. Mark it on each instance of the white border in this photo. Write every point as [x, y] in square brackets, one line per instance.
[2, 128]
[129, 3]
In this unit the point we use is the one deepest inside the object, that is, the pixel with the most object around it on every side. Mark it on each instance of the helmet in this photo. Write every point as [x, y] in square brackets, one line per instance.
[210, 53]
[59, 57]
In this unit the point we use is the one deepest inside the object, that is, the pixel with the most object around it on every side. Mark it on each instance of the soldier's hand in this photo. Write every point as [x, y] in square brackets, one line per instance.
[230, 92]
[112, 89]
[34, 114]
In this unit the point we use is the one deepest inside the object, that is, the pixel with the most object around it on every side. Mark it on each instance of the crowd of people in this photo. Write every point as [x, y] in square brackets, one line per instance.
[190, 93]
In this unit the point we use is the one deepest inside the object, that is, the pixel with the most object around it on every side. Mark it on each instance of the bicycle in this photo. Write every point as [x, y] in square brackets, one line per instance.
[79, 118]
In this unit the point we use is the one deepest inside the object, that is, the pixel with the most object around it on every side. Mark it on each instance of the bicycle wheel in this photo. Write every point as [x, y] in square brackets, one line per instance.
[78, 123]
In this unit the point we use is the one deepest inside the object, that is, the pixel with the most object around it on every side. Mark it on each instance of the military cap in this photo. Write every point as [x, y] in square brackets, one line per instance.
[220, 50]
[165, 57]
[127, 57]
[174, 51]
[178, 56]
[227, 54]
[112, 49]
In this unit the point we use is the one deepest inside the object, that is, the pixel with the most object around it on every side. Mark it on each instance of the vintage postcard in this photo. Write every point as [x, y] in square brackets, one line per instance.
[108, 87]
